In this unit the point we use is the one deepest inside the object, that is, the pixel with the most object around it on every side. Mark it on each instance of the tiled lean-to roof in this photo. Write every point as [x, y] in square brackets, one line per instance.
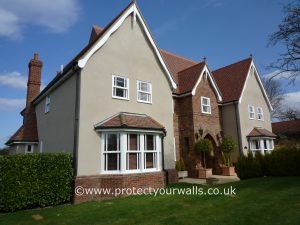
[261, 132]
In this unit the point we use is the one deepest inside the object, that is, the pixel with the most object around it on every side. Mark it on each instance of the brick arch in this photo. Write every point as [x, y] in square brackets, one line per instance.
[214, 161]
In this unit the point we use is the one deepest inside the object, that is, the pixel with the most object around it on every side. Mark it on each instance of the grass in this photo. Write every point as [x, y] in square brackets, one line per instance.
[274, 200]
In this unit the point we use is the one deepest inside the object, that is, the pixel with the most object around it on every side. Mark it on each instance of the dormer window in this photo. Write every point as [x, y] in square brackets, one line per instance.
[251, 111]
[205, 105]
[47, 104]
[120, 87]
[260, 114]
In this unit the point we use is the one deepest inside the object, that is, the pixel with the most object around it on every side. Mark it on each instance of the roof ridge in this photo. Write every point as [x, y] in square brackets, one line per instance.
[191, 67]
[231, 64]
[179, 56]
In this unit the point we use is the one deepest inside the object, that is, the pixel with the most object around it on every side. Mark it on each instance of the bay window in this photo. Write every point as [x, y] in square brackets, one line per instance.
[130, 152]
[264, 145]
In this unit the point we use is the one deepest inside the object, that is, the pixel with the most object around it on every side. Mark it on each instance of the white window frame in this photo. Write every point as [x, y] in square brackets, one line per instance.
[47, 103]
[261, 142]
[251, 110]
[126, 88]
[207, 105]
[260, 113]
[123, 140]
[144, 92]
[26, 149]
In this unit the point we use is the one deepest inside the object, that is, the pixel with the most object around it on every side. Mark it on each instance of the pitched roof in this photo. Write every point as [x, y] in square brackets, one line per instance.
[188, 78]
[176, 63]
[261, 132]
[26, 133]
[130, 120]
[231, 79]
[286, 127]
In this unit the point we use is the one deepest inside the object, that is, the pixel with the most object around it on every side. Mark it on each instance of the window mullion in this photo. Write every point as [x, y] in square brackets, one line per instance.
[142, 150]
[123, 150]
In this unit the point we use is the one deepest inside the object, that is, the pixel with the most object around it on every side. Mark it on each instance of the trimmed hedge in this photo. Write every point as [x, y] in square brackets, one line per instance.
[281, 162]
[35, 180]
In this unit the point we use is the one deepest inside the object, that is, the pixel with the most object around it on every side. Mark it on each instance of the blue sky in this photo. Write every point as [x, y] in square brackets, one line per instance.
[223, 31]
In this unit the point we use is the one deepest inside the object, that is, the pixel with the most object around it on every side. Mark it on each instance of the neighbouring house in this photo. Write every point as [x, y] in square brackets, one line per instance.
[127, 110]
[288, 132]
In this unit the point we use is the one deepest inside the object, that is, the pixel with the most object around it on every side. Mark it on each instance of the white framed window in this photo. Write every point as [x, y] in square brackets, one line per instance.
[47, 103]
[120, 87]
[144, 91]
[260, 113]
[265, 145]
[29, 149]
[130, 152]
[251, 111]
[205, 105]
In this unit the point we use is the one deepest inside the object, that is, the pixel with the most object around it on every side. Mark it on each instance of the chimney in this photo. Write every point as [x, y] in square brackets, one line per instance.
[34, 79]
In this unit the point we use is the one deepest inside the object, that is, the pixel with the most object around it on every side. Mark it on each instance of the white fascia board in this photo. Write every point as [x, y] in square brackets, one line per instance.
[260, 84]
[117, 24]
[205, 69]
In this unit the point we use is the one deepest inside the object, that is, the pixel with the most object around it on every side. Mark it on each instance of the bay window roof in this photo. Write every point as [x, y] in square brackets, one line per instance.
[261, 132]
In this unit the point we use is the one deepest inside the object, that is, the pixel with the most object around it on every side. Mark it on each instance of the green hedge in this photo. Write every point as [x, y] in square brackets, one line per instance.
[281, 162]
[35, 180]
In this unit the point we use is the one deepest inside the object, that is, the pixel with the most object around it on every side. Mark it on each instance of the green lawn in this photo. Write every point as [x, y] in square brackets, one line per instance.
[258, 201]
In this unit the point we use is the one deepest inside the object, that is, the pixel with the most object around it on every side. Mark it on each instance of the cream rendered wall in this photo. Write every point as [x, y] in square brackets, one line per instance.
[21, 149]
[252, 95]
[229, 126]
[56, 128]
[126, 53]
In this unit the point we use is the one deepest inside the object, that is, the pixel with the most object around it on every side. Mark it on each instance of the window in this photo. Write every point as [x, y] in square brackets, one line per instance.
[29, 149]
[130, 152]
[260, 114]
[205, 105]
[144, 92]
[264, 145]
[251, 112]
[120, 87]
[47, 104]
[112, 152]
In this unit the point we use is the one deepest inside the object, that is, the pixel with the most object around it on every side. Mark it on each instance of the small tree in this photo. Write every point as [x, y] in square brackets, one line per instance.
[180, 166]
[227, 147]
[203, 146]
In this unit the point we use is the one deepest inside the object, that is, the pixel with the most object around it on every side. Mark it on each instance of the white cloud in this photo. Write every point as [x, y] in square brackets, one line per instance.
[55, 15]
[13, 79]
[7, 104]
[292, 100]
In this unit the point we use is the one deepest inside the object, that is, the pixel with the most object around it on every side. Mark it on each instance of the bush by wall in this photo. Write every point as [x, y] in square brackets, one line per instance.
[35, 180]
[281, 162]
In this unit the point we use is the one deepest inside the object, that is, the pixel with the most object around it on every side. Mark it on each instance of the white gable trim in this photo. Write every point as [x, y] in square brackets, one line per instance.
[205, 70]
[116, 25]
[260, 85]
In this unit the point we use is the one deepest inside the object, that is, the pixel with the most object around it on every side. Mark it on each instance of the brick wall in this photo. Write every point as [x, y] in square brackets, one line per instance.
[139, 180]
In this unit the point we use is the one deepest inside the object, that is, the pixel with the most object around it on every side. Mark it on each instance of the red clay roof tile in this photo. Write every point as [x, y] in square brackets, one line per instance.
[261, 132]
[286, 127]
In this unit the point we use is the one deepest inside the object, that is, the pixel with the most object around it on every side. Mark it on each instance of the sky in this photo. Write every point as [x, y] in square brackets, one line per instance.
[223, 31]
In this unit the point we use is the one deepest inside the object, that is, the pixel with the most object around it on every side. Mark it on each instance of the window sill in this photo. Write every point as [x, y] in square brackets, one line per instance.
[144, 102]
[120, 98]
[129, 172]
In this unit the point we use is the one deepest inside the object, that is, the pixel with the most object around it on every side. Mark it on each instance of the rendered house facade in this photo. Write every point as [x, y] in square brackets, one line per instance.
[127, 110]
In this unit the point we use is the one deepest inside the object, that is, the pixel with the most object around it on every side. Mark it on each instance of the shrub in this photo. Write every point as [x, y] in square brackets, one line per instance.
[227, 147]
[180, 166]
[35, 180]
[280, 162]
[203, 146]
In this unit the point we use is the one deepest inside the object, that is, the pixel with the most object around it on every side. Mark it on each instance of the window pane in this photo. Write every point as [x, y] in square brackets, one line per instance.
[112, 161]
[133, 161]
[145, 87]
[205, 101]
[265, 144]
[133, 142]
[120, 82]
[112, 142]
[120, 92]
[28, 148]
[149, 160]
[144, 97]
[149, 142]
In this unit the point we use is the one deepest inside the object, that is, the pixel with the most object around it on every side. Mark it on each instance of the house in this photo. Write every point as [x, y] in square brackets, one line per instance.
[288, 132]
[245, 107]
[127, 110]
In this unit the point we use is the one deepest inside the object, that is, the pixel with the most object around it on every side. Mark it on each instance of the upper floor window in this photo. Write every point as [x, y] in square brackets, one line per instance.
[144, 91]
[205, 105]
[29, 149]
[120, 87]
[251, 111]
[47, 104]
[260, 114]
